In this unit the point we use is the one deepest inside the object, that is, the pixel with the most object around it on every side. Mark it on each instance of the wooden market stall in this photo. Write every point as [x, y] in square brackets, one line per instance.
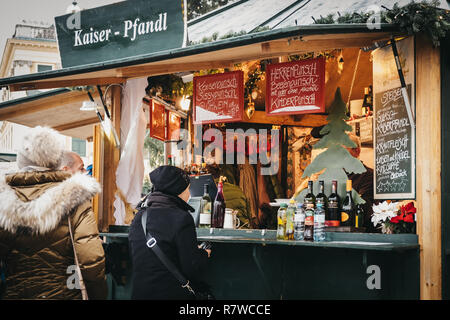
[340, 263]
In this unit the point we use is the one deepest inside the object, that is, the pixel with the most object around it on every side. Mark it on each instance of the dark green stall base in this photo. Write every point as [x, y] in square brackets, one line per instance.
[252, 264]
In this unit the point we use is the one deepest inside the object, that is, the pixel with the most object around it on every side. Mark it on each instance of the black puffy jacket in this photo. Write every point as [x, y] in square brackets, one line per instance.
[171, 224]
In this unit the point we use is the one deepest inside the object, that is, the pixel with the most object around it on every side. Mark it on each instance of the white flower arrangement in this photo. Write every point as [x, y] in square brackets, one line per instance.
[384, 212]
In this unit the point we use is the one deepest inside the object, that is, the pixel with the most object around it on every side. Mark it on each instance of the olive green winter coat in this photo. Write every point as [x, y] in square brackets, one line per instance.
[34, 235]
[235, 199]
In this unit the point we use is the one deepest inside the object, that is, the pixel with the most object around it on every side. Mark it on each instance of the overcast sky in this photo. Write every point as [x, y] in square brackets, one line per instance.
[14, 11]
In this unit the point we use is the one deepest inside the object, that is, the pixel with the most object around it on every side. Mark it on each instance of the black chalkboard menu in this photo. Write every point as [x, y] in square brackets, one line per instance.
[394, 147]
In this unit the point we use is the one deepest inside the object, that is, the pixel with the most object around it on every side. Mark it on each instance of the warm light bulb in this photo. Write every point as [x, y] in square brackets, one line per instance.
[254, 94]
[250, 110]
[185, 103]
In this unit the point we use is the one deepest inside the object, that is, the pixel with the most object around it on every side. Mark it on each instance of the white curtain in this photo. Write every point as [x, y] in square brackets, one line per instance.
[130, 171]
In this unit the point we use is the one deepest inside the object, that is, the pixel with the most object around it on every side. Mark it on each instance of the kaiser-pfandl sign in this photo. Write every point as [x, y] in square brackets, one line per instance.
[121, 30]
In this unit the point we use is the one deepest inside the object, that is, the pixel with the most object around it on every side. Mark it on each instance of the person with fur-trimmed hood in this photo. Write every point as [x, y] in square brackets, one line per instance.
[35, 206]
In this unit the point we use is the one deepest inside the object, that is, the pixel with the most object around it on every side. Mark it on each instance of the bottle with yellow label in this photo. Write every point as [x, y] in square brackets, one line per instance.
[290, 213]
[348, 207]
[281, 219]
[359, 216]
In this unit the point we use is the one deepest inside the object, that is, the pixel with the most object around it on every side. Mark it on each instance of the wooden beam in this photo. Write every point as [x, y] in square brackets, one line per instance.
[269, 50]
[111, 156]
[76, 124]
[304, 120]
[264, 50]
[64, 83]
[97, 173]
[338, 36]
[29, 108]
[288, 47]
[428, 162]
[156, 69]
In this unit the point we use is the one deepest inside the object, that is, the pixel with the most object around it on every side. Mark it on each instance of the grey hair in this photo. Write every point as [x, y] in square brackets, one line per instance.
[68, 159]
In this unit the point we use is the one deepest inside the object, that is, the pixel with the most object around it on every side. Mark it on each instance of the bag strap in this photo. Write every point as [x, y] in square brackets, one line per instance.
[83, 289]
[152, 244]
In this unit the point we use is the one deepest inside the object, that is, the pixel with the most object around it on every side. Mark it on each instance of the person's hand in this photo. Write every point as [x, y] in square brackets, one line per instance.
[207, 250]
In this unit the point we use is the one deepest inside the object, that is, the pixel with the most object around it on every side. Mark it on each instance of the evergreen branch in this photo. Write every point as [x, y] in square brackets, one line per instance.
[412, 18]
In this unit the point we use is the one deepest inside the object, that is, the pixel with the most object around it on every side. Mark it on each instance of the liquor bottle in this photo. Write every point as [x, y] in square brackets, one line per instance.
[321, 197]
[319, 223]
[299, 222]
[205, 209]
[309, 205]
[359, 216]
[367, 102]
[308, 234]
[290, 213]
[203, 170]
[347, 212]
[169, 160]
[281, 221]
[333, 214]
[310, 198]
[219, 207]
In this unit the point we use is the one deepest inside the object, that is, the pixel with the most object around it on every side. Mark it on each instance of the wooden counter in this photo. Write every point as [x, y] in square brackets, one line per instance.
[252, 264]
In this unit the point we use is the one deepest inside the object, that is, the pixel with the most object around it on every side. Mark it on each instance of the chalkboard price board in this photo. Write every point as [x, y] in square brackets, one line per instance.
[394, 147]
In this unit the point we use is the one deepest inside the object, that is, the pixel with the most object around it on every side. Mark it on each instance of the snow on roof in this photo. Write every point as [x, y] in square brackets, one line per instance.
[250, 14]
[246, 16]
[303, 12]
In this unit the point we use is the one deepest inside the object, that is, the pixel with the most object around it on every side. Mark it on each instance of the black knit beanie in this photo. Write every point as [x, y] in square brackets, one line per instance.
[169, 179]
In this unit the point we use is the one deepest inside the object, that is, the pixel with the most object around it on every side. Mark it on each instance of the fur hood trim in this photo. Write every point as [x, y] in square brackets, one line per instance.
[41, 147]
[44, 213]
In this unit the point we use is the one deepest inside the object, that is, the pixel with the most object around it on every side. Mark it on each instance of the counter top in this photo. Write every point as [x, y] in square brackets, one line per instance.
[346, 240]
[365, 245]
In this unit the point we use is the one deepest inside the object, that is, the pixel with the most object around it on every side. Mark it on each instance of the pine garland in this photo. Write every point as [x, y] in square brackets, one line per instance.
[412, 18]
[252, 81]
[170, 85]
[328, 54]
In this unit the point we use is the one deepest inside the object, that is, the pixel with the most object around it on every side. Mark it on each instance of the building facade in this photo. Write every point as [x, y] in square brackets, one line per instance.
[33, 48]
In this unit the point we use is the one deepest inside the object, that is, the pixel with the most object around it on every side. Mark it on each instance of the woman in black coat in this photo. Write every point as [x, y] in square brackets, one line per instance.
[171, 224]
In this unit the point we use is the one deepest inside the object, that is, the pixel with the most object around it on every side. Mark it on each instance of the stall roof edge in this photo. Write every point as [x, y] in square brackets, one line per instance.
[57, 108]
[247, 39]
[54, 92]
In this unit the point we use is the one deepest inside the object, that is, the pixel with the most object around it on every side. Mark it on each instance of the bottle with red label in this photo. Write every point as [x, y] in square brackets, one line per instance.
[333, 212]
[219, 206]
[309, 206]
